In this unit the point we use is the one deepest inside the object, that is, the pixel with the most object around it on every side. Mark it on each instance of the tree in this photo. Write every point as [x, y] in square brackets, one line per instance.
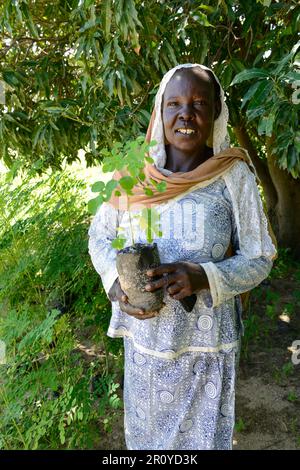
[83, 73]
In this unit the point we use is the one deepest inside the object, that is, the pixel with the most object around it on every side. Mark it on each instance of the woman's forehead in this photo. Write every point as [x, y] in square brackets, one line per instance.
[189, 81]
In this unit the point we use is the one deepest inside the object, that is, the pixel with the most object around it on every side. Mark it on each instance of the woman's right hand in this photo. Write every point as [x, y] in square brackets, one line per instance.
[116, 294]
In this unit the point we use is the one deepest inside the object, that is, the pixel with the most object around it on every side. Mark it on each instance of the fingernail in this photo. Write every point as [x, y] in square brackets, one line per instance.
[141, 312]
[149, 273]
[147, 287]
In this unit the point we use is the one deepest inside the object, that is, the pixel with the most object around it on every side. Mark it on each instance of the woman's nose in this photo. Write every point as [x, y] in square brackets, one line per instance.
[186, 112]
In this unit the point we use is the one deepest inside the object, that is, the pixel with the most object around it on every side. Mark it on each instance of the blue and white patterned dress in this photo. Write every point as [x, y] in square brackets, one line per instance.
[180, 367]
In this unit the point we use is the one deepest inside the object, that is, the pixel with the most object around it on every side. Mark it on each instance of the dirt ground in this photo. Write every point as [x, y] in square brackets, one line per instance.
[268, 386]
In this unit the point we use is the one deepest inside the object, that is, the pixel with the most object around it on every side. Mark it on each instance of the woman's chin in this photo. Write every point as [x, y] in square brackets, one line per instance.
[188, 146]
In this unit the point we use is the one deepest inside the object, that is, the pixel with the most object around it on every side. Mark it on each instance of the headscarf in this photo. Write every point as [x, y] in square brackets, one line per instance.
[156, 131]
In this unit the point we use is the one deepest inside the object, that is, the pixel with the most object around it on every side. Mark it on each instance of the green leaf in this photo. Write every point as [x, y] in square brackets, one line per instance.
[127, 182]
[261, 94]
[171, 51]
[265, 125]
[106, 53]
[254, 113]
[98, 186]
[118, 50]
[148, 191]
[201, 18]
[249, 74]
[94, 204]
[251, 91]
[118, 243]
[110, 186]
[292, 157]
[54, 109]
[227, 76]
[107, 18]
[31, 26]
[62, 435]
[162, 186]
[237, 65]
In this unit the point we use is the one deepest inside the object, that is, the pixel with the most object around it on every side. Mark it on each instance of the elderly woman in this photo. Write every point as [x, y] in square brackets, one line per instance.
[216, 244]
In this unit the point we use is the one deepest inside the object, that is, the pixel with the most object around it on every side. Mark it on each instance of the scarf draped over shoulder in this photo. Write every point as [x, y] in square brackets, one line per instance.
[178, 183]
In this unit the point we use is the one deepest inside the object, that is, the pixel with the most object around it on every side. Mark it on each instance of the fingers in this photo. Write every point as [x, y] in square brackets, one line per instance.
[120, 294]
[147, 315]
[163, 281]
[130, 309]
[174, 289]
[138, 313]
[181, 294]
[162, 269]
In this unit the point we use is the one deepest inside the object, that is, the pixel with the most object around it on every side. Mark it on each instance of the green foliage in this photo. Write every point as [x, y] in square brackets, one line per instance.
[288, 369]
[240, 425]
[283, 264]
[267, 306]
[252, 331]
[129, 157]
[272, 299]
[272, 100]
[281, 374]
[292, 396]
[50, 295]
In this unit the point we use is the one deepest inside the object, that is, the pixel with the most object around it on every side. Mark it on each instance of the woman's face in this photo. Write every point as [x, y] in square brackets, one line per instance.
[189, 110]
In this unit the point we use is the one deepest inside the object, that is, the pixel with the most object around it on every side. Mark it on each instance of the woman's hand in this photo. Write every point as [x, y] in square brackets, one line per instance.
[181, 279]
[116, 294]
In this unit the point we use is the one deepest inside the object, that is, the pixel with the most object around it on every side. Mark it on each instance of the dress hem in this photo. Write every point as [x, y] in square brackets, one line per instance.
[121, 333]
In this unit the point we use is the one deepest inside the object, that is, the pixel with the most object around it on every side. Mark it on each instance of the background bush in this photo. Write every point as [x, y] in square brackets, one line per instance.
[54, 393]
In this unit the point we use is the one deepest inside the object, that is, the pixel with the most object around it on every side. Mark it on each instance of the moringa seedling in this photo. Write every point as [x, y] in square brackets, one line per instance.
[131, 158]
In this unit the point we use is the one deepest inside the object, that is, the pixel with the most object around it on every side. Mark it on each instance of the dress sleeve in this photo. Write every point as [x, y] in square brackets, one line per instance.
[252, 242]
[102, 231]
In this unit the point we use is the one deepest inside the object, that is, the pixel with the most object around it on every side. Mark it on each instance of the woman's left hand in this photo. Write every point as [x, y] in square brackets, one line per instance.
[180, 279]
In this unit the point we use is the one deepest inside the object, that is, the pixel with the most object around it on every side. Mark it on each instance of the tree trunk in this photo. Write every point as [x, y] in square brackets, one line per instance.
[287, 209]
[282, 194]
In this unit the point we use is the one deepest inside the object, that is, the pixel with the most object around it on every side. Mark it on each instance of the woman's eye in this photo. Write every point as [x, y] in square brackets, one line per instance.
[172, 103]
[200, 102]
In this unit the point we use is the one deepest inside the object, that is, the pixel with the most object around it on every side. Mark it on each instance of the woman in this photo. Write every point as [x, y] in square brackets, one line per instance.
[180, 367]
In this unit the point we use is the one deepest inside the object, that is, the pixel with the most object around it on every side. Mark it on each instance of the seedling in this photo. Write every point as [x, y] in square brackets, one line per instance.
[130, 158]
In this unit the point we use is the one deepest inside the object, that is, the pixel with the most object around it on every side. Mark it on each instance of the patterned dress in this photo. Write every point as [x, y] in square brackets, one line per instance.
[180, 367]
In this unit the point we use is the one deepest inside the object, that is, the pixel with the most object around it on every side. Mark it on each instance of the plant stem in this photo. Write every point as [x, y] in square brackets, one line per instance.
[130, 222]
[149, 238]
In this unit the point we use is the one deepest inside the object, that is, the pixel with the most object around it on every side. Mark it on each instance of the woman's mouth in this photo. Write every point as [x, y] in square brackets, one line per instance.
[185, 131]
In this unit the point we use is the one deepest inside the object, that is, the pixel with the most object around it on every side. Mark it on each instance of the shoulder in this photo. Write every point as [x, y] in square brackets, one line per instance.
[240, 173]
[241, 183]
